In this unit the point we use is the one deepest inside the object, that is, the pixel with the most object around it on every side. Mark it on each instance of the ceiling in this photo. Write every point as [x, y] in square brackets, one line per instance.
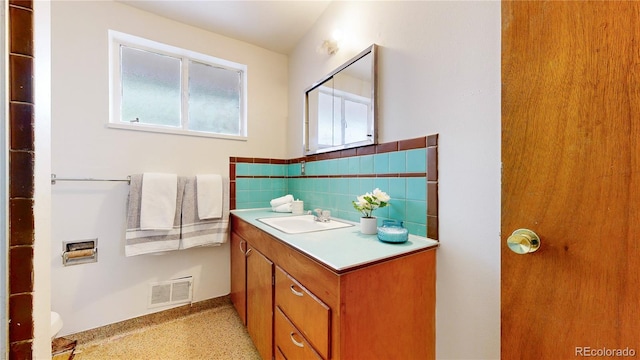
[273, 25]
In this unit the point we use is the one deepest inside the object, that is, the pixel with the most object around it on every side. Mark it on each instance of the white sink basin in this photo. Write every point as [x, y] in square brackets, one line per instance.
[299, 224]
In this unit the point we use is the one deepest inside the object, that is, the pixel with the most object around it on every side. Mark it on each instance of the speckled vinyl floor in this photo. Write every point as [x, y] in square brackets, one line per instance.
[217, 333]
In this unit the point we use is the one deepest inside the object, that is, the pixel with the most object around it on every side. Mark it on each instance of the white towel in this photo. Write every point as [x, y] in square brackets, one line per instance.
[158, 206]
[284, 208]
[209, 196]
[281, 200]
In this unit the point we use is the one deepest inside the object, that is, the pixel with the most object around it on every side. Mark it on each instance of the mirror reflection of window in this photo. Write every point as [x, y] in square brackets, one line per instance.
[343, 117]
[356, 125]
[326, 126]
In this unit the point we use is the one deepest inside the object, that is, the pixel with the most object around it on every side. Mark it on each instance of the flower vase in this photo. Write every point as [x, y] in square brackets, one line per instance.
[368, 225]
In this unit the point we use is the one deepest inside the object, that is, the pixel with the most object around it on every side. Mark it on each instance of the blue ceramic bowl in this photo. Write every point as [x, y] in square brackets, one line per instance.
[392, 231]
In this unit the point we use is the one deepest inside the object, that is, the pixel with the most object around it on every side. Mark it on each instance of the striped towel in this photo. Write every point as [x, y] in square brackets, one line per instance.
[138, 241]
[203, 232]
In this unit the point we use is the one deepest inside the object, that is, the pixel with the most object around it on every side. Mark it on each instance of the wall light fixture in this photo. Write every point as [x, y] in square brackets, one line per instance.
[331, 46]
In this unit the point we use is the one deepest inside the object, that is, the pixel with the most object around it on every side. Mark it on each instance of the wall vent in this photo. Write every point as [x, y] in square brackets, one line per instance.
[176, 291]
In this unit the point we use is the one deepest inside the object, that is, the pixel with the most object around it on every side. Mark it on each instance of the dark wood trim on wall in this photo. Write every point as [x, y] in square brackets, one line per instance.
[429, 142]
[21, 178]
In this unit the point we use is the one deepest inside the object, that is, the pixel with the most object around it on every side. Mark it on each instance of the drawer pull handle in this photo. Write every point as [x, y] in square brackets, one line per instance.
[248, 252]
[293, 340]
[295, 292]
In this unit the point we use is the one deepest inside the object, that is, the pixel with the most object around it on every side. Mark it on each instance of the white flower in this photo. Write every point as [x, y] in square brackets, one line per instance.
[381, 195]
[370, 201]
[362, 202]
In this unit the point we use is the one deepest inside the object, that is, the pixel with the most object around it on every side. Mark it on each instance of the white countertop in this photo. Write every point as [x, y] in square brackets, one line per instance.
[339, 249]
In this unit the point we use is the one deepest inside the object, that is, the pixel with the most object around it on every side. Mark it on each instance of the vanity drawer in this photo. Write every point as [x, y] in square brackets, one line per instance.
[290, 344]
[307, 313]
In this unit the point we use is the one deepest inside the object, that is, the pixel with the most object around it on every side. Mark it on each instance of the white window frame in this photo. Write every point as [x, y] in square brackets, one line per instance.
[116, 39]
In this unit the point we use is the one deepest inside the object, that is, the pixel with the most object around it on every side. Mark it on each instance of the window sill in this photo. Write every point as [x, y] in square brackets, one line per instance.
[158, 129]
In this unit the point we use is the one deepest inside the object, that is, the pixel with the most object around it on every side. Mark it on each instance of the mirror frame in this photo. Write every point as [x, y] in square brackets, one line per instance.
[372, 138]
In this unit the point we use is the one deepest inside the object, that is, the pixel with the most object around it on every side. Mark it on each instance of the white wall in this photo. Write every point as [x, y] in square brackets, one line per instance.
[42, 171]
[439, 72]
[116, 287]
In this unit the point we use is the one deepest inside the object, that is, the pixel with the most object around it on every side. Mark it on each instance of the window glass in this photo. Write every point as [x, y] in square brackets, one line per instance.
[150, 88]
[214, 99]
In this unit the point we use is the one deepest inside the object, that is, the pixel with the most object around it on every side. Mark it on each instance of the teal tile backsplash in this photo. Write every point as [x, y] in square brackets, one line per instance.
[397, 162]
[381, 164]
[416, 160]
[331, 181]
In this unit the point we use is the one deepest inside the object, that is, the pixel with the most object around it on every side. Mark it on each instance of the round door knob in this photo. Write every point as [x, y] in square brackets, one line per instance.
[523, 241]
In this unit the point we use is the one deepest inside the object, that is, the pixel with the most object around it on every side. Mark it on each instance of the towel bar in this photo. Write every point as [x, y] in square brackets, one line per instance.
[54, 179]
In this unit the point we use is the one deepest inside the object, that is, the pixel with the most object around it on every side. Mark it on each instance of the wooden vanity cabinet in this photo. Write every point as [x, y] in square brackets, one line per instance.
[382, 310]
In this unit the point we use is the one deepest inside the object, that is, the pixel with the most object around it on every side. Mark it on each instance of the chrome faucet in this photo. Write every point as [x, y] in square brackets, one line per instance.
[322, 215]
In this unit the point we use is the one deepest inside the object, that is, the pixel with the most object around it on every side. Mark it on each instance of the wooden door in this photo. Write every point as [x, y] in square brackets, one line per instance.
[260, 302]
[239, 276]
[571, 173]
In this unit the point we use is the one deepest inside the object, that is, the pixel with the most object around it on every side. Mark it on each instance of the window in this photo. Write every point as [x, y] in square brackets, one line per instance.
[343, 117]
[161, 88]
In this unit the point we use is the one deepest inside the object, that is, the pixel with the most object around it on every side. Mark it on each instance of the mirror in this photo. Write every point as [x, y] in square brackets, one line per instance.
[340, 110]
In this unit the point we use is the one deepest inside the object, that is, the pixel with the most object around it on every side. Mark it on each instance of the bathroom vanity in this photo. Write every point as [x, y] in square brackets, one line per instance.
[334, 294]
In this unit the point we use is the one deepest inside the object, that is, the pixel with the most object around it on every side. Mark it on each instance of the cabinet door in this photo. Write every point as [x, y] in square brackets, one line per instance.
[239, 276]
[260, 302]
